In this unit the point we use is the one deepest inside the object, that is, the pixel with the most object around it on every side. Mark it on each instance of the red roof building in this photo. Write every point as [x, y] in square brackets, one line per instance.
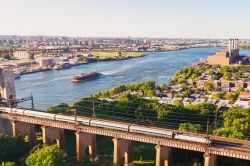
[244, 95]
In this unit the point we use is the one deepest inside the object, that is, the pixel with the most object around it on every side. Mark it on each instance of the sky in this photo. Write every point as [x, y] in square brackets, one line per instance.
[122, 18]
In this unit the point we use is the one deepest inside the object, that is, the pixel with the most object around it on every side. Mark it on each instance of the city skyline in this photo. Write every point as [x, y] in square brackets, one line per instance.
[109, 18]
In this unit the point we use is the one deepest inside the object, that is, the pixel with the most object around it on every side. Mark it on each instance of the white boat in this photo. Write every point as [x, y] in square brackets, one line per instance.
[62, 66]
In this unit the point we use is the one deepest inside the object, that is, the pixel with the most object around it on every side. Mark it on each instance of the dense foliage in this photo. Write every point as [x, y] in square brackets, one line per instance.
[120, 104]
[145, 89]
[8, 164]
[46, 156]
[9, 150]
[136, 109]
[216, 72]
[236, 123]
[190, 127]
[59, 108]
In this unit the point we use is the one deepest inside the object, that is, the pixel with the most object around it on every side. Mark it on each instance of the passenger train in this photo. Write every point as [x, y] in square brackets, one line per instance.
[112, 125]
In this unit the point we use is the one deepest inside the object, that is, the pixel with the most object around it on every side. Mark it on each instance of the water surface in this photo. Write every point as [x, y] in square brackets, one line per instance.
[55, 87]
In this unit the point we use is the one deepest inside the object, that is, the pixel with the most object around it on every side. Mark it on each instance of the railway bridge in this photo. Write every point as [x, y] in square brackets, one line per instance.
[53, 130]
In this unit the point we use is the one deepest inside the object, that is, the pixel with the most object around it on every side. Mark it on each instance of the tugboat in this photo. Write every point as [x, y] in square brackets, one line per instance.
[85, 76]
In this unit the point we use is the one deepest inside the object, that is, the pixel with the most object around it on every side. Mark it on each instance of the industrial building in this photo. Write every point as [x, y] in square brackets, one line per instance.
[228, 56]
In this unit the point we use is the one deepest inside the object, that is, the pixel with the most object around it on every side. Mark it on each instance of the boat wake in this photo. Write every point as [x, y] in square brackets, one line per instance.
[118, 70]
[44, 82]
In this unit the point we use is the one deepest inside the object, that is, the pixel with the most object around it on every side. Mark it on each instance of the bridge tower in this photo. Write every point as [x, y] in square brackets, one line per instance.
[7, 85]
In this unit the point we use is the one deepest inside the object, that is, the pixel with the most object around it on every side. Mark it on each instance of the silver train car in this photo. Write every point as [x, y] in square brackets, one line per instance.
[192, 138]
[84, 121]
[112, 125]
[109, 125]
[64, 118]
[151, 131]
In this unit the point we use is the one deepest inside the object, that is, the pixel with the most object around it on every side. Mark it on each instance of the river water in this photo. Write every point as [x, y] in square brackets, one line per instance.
[55, 87]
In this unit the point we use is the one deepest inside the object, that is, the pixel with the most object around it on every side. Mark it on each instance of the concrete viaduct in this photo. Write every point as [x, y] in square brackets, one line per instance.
[52, 130]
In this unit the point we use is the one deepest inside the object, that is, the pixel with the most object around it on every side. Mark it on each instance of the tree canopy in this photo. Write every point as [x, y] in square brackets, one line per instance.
[46, 156]
[9, 150]
[236, 123]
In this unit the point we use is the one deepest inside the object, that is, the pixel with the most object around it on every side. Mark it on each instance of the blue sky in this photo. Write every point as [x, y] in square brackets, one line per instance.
[121, 18]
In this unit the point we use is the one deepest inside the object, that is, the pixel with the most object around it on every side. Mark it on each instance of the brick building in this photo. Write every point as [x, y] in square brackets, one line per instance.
[227, 56]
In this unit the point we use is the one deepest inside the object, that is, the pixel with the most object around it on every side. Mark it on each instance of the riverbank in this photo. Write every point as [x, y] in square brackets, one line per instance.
[95, 56]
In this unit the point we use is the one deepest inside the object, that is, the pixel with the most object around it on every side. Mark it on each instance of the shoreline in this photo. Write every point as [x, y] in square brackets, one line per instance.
[84, 63]
[145, 53]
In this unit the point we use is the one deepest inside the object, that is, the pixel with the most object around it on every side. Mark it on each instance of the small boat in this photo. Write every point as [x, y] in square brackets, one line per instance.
[62, 66]
[85, 76]
[17, 75]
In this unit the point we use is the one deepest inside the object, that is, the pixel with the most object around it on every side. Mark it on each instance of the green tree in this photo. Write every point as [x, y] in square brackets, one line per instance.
[239, 90]
[118, 89]
[8, 164]
[227, 75]
[209, 86]
[190, 127]
[61, 108]
[178, 103]
[46, 156]
[203, 109]
[219, 95]
[231, 97]
[12, 148]
[235, 123]
[150, 93]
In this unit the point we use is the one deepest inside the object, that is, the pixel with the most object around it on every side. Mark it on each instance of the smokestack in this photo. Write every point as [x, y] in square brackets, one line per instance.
[229, 45]
[233, 44]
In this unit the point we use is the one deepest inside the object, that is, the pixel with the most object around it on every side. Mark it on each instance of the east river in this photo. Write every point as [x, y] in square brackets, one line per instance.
[55, 87]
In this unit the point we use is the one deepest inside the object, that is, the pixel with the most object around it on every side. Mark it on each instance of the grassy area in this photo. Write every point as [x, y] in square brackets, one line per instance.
[116, 54]
[144, 162]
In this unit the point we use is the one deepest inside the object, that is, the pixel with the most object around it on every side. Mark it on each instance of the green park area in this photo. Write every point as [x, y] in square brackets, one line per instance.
[116, 54]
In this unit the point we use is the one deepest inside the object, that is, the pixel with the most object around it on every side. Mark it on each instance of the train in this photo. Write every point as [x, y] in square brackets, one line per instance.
[132, 128]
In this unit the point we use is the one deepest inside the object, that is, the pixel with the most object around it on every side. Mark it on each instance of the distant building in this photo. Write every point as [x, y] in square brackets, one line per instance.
[45, 62]
[241, 104]
[22, 55]
[225, 57]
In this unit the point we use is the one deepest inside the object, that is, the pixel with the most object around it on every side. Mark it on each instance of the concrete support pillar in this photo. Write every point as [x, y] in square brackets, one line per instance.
[209, 159]
[84, 140]
[163, 156]
[51, 135]
[24, 129]
[122, 148]
[6, 127]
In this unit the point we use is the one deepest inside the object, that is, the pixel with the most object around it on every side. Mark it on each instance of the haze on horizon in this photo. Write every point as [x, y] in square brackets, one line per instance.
[122, 18]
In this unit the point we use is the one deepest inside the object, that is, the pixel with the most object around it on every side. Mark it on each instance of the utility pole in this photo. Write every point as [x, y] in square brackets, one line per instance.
[207, 126]
[32, 101]
[75, 115]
